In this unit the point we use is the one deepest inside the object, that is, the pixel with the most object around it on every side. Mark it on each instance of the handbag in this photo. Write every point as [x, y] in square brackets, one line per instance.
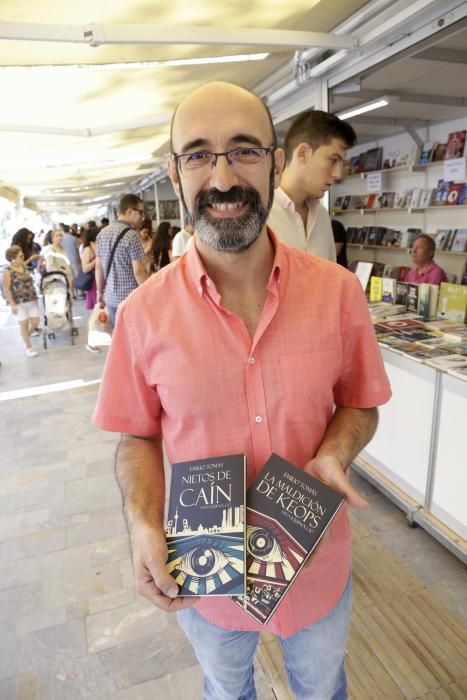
[84, 280]
[99, 330]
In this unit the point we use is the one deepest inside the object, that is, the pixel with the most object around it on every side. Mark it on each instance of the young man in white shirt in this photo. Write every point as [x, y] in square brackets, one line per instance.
[315, 149]
[182, 241]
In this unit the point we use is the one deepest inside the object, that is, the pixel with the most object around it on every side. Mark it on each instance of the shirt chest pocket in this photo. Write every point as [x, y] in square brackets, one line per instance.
[307, 382]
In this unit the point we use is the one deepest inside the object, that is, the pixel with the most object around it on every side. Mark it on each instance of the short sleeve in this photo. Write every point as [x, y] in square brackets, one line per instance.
[363, 382]
[135, 247]
[126, 403]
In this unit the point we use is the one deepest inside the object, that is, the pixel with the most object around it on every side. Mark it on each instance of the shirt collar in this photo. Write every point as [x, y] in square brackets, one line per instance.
[287, 203]
[201, 279]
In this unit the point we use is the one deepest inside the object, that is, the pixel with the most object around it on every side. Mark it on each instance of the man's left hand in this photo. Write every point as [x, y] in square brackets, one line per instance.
[327, 468]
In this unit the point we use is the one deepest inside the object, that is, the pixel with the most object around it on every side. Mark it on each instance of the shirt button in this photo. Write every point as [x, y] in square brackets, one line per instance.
[251, 360]
[258, 419]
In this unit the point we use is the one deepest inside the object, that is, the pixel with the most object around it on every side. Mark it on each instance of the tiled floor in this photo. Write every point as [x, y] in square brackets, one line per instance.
[71, 625]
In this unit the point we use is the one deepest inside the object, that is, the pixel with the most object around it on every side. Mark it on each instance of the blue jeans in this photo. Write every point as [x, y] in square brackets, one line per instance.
[112, 312]
[314, 656]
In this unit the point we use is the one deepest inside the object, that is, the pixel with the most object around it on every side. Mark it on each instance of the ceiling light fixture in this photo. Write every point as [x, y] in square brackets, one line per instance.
[133, 65]
[366, 107]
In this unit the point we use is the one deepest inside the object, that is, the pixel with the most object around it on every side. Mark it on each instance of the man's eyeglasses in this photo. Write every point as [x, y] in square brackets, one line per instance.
[236, 158]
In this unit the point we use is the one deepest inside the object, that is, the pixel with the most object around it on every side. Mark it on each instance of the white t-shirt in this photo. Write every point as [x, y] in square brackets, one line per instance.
[288, 226]
[181, 243]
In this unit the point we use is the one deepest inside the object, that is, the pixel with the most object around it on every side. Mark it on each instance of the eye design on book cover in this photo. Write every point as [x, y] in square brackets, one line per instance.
[272, 553]
[206, 564]
[263, 545]
[203, 561]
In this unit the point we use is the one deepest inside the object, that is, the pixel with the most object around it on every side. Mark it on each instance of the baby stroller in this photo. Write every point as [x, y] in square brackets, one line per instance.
[58, 314]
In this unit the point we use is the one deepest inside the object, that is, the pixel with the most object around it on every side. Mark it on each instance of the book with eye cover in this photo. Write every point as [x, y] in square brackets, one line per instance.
[205, 529]
[288, 512]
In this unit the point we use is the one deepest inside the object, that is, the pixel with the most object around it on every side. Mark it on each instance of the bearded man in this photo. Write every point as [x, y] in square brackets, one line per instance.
[244, 345]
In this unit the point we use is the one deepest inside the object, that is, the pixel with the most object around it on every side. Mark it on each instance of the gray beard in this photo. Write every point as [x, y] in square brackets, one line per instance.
[230, 235]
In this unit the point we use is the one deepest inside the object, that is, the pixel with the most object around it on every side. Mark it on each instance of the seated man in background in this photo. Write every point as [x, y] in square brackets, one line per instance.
[425, 270]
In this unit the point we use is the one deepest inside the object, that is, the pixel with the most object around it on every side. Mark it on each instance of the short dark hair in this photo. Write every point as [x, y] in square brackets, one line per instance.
[104, 221]
[317, 128]
[129, 201]
[430, 242]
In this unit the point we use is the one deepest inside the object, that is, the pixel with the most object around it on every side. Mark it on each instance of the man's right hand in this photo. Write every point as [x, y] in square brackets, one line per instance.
[152, 580]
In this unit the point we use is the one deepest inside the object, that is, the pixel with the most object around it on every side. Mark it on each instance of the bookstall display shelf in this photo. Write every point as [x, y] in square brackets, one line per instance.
[386, 171]
[402, 249]
[423, 470]
[420, 167]
[384, 210]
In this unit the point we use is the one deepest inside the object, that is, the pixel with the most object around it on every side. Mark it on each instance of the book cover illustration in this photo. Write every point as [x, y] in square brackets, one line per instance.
[454, 194]
[399, 325]
[428, 300]
[455, 145]
[446, 362]
[427, 152]
[439, 152]
[440, 194]
[452, 302]
[376, 288]
[458, 349]
[425, 198]
[412, 296]
[459, 241]
[389, 290]
[459, 372]
[363, 272]
[442, 237]
[206, 526]
[401, 293]
[288, 513]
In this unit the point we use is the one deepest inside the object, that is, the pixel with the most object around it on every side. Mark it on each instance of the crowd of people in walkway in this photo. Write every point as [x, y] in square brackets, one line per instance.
[72, 252]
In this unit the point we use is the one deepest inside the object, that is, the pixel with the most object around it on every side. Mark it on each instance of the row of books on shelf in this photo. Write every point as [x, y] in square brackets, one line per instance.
[434, 151]
[446, 302]
[221, 539]
[379, 159]
[454, 240]
[446, 193]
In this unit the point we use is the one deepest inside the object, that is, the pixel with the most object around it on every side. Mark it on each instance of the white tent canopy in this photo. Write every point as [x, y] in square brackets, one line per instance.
[88, 88]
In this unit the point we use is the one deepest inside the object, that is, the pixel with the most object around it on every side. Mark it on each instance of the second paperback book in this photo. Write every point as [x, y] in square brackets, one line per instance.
[288, 512]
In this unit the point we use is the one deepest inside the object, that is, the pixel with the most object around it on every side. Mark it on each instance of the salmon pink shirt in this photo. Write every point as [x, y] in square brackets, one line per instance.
[182, 364]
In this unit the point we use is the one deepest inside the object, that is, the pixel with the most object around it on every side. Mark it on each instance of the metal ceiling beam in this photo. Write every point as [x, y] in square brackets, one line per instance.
[393, 121]
[448, 15]
[444, 55]
[405, 97]
[130, 125]
[104, 34]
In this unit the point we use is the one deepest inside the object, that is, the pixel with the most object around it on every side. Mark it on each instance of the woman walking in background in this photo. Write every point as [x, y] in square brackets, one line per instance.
[88, 264]
[161, 246]
[146, 235]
